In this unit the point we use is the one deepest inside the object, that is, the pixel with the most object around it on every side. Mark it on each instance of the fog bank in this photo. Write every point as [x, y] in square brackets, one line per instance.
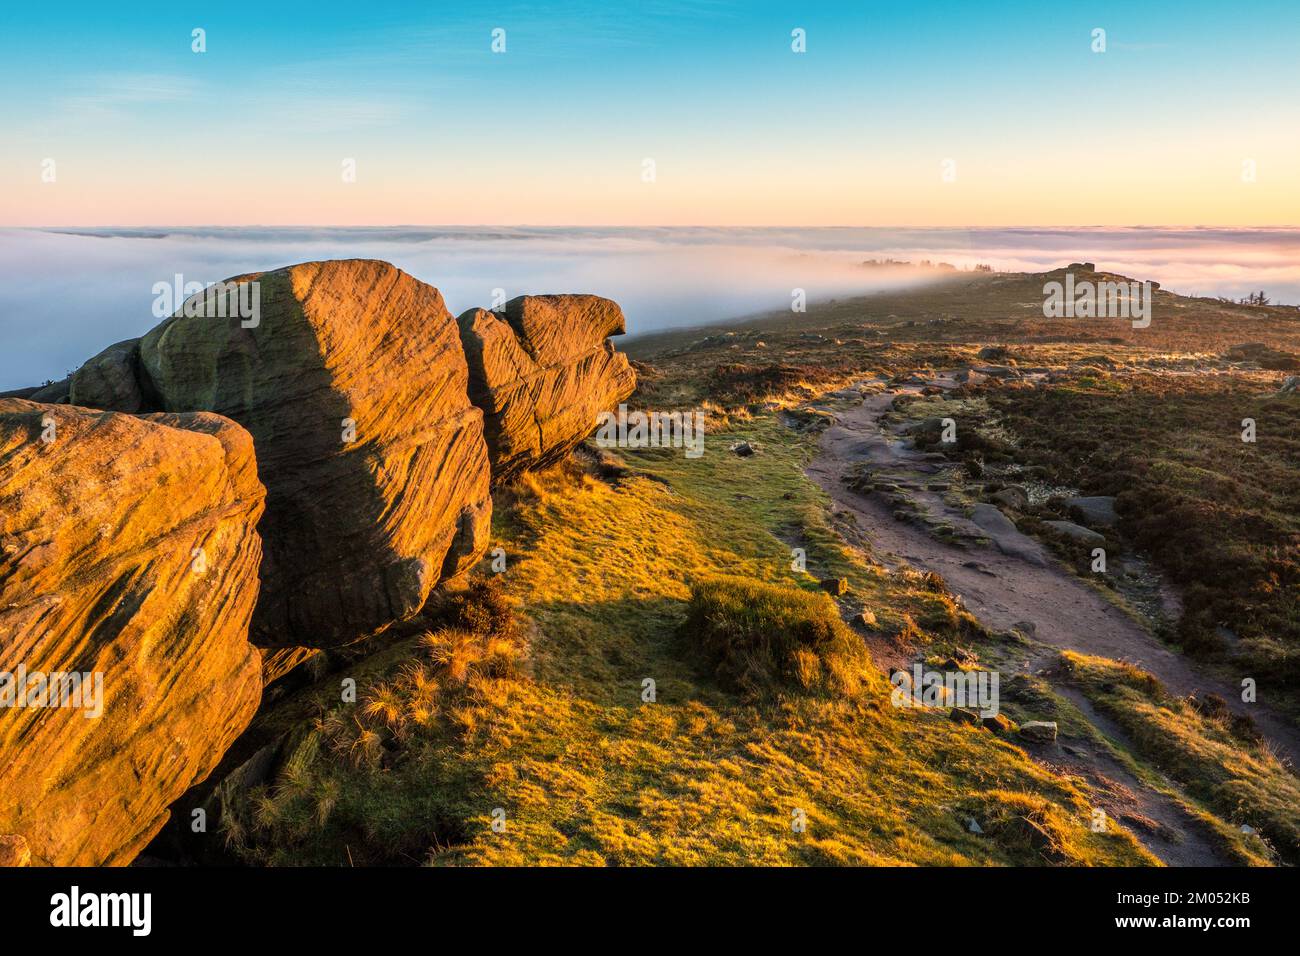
[66, 294]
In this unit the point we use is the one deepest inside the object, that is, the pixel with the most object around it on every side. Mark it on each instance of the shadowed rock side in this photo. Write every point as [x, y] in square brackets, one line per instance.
[100, 532]
[109, 380]
[542, 374]
[353, 385]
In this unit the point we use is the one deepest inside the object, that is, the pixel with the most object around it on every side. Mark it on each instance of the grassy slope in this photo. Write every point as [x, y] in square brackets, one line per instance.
[588, 773]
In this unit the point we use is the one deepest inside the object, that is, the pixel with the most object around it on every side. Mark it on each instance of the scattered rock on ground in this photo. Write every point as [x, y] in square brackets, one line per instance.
[1012, 496]
[1084, 536]
[999, 723]
[1097, 510]
[992, 520]
[1039, 731]
[997, 371]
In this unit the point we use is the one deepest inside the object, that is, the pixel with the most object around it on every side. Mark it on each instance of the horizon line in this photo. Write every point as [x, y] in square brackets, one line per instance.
[532, 225]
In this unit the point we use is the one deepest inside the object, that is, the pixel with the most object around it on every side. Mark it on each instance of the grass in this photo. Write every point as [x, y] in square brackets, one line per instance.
[763, 638]
[544, 720]
[1202, 748]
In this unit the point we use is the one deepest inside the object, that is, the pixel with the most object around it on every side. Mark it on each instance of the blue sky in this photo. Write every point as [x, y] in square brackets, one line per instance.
[741, 130]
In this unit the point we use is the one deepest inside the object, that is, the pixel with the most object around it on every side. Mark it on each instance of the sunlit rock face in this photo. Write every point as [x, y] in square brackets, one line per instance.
[353, 384]
[542, 372]
[128, 557]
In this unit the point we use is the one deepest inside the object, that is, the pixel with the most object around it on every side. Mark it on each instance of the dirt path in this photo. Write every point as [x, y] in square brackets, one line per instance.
[1011, 580]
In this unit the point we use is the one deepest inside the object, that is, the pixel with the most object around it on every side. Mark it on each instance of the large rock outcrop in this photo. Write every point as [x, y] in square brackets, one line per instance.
[109, 380]
[541, 373]
[128, 551]
[353, 384]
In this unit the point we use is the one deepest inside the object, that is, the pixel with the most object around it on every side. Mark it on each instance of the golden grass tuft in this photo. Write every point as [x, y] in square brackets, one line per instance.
[763, 638]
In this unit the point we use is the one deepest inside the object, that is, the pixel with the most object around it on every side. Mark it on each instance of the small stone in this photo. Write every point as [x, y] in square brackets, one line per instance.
[999, 723]
[743, 449]
[973, 825]
[1039, 731]
[866, 619]
[1097, 510]
[836, 586]
[961, 715]
[1078, 533]
[1013, 496]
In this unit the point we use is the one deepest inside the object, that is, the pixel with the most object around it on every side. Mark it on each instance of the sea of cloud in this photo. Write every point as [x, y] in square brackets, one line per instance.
[66, 294]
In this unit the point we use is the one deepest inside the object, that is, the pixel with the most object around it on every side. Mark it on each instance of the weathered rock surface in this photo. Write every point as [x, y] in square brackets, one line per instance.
[56, 392]
[1085, 536]
[110, 380]
[128, 550]
[1039, 731]
[14, 851]
[542, 373]
[354, 387]
[1012, 496]
[1004, 534]
[279, 661]
[27, 392]
[1097, 510]
[992, 520]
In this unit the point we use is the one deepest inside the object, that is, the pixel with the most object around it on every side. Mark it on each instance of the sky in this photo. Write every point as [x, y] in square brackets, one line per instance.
[897, 114]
